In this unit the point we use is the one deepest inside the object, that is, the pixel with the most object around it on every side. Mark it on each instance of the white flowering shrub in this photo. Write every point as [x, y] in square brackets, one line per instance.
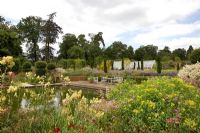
[191, 72]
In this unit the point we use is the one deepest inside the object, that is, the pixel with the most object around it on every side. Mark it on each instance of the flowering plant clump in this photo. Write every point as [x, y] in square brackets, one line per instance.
[191, 73]
[7, 61]
[159, 104]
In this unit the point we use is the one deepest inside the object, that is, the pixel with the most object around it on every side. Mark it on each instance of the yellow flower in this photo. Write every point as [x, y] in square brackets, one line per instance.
[2, 98]
[190, 123]
[156, 115]
[66, 79]
[7, 60]
[151, 104]
[136, 111]
[99, 114]
[190, 103]
[76, 95]
[11, 89]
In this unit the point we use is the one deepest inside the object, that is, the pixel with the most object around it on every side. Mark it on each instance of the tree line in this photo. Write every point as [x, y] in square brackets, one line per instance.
[34, 30]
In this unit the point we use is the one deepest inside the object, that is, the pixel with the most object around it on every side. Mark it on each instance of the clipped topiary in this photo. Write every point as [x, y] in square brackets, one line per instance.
[27, 67]
[17, 66]
[51, 66]
[159, 65]
[40, 68]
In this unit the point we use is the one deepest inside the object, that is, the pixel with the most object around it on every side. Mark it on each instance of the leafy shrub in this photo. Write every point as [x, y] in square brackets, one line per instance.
[195, 56]
[157, 105]
[159, 65]
[17, 66]
[72, 63]
[40, 64]
[63, 63]
[40, 68]
[27, 67]
[40, 72]
[51, 66]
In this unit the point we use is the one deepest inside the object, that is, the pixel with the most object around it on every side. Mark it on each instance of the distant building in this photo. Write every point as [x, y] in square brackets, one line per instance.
[148, 64]
[117, 65]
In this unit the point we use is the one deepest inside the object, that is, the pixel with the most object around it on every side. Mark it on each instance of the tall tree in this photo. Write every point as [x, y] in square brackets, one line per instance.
[150, 52]
[76, 52]
[139, 55]
[94, 48]
[195, 56]
[130, 53]
[165, 54]
[189, 51]
[10, 42]
[50, 32]
[84, 44]
[68, 41]
[180, 52]
[30, 31]
[110, 54]
[120, 51]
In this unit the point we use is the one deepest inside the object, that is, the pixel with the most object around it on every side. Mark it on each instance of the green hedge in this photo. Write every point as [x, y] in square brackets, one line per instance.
[40, 68]
[27, 66]
[72, 63]
[51, 66]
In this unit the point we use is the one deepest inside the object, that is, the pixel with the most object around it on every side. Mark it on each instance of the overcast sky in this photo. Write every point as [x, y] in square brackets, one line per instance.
[173, 23]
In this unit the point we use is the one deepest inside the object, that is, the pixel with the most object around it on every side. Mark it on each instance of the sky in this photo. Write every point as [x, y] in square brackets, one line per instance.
[172, 23]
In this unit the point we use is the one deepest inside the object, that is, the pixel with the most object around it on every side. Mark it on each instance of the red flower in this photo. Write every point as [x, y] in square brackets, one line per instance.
[56, 130]
[82, 129]
[71, 125]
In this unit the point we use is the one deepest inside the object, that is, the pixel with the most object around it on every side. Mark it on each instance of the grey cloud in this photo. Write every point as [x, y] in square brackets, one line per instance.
[134, 15]
[97, 3]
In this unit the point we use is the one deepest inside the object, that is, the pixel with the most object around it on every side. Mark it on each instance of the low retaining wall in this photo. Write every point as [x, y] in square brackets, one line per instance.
[77, 78]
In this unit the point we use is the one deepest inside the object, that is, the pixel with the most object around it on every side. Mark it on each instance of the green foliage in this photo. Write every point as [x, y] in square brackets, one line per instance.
[195, 56]
[30, 31]
[139, 53]
[165, 54]
[72, 63]
[40, 64]
[40, 72]
[159, 65]
[150, 52]
[27, 67]
[63, 63]
[4, 52]
[40, 68]
[76, 52]
[68, 41]
[189, 51]
[10, 42]
[51, 66]
[50, 32]
[130, 53]
[17, 66]
[180, 52]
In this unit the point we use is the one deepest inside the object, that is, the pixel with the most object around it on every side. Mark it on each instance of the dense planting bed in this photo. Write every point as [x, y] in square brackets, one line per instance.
[160, 104]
